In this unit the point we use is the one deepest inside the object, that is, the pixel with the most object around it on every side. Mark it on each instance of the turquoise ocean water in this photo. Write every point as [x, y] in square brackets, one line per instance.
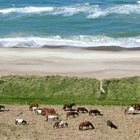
[75, 23]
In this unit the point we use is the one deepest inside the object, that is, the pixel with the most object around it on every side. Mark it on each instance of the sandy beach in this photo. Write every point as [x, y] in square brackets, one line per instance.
[39, 129]
[69, 62]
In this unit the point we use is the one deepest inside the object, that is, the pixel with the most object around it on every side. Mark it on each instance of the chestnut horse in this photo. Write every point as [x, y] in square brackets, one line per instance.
[32, 107]
[95, 112]
[82, 109]
[86, 124]
[68, 106]
[72, 113]
[48, 111]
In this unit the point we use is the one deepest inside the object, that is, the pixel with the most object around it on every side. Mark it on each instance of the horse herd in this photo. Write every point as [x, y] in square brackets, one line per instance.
[71, 111]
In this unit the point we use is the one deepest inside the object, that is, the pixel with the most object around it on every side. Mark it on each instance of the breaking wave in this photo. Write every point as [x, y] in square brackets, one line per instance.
[72, 41]
[91, 11]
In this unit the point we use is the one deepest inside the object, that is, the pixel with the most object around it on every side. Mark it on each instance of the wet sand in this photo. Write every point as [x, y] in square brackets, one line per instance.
[70, 62]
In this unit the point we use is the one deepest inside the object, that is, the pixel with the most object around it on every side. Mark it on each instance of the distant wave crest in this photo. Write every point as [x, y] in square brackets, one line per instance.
[91, 11]
[72, 41]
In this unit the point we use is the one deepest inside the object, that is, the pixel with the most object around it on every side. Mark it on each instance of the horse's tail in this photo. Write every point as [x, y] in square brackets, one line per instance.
[66, 124]
[46, 117]
[80, 127]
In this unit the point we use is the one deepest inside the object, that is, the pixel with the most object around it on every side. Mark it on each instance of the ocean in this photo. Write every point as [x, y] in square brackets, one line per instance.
[73, 23]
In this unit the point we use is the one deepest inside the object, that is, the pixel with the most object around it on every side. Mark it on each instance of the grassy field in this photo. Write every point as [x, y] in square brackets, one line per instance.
[60, 90]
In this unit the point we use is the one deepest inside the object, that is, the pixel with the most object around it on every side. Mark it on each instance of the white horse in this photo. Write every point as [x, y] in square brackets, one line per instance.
[130, 110]
[20, 121]
[52, 117]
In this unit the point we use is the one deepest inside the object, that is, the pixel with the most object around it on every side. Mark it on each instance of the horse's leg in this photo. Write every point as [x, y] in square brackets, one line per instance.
[46, 117]
[91, 126]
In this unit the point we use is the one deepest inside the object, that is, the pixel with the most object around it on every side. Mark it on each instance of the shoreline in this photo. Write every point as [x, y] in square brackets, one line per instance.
[78, 62]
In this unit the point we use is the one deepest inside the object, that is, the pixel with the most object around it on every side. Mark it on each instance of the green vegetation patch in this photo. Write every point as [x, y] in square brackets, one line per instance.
[60, 90]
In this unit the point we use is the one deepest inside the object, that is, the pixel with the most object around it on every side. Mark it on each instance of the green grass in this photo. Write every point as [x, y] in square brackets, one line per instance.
[60, 90]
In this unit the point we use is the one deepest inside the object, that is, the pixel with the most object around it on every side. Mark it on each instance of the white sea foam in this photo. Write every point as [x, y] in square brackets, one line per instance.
[92, 11]
[73, 41]
[26, 10]
[119, 9]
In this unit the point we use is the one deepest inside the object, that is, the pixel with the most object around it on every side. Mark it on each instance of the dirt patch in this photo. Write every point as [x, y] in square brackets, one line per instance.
[39, 129]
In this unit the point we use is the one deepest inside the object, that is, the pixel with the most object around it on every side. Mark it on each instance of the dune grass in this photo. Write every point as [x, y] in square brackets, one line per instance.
[60, 90]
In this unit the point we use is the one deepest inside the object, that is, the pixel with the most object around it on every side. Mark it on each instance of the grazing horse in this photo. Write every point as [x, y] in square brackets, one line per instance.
[95, 112]
[60, 124]
[86, 124]
[82, 109]
[52, 117]
[72, 113]
[33, 107]
[20, 121]
[68, 106]
[130, 110]
[48, 111]
[110, 124]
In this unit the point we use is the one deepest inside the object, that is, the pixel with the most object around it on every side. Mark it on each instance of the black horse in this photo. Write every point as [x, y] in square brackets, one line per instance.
[111, 125]
[68, 106]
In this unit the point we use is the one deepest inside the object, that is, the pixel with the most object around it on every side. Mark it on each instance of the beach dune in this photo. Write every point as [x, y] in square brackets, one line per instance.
[69, 62]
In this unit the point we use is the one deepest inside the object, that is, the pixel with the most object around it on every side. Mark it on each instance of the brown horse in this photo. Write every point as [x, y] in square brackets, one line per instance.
[32, 107]
[86, 124]
[48, 111]
[68, 106]
[82, 109]
[72, 113]
[60, 124]
[95, 112]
